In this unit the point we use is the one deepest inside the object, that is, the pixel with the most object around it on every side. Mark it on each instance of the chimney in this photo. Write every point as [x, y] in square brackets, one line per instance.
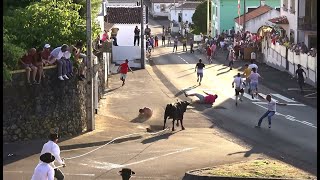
[262, 2]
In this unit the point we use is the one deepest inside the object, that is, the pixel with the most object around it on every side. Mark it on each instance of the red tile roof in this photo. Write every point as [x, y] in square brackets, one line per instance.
[253, 14]
[123, 15]
[280, 20]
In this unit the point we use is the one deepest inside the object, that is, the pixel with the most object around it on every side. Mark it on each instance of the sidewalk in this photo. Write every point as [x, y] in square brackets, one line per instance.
[279, 81]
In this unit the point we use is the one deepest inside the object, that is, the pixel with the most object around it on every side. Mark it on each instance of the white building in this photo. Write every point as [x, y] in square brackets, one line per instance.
[256, 18]
[162, 7]
[299, 19]
[183, 12]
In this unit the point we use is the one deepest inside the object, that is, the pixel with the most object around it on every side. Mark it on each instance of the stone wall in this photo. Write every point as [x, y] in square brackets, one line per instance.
[29, 111]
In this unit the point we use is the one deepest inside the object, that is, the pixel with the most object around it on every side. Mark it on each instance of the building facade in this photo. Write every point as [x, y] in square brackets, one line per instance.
[183, 12]
[229, 10]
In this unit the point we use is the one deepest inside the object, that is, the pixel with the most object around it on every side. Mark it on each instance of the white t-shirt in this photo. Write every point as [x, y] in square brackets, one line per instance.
[253, 55]
[57, 53]
[272, 105]
[254, 77]
[253, 66]
[67, 55]
[238, 82]
[54, 149]
[43, 171]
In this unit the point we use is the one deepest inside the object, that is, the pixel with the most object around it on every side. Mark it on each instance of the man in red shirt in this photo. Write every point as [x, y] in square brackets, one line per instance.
[124, 67]
[27, 63]
[208, 99]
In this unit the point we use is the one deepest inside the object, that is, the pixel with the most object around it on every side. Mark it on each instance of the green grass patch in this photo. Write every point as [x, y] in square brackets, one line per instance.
[264, 168]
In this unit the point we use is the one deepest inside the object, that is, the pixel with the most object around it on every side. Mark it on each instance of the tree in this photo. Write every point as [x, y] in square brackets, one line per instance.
[199, 18]
[48, 22]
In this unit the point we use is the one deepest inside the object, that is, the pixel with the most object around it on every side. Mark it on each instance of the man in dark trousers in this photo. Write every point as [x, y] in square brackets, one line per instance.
[191, 46]
[199, 69]
[136, 35]
[126, 173]
[299, 75]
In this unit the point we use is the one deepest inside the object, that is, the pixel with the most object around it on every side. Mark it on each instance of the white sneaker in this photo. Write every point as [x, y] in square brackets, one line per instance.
[61, 78]
[65, 77]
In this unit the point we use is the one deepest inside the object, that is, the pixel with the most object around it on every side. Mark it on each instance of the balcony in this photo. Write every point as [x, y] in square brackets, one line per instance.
[306, 24]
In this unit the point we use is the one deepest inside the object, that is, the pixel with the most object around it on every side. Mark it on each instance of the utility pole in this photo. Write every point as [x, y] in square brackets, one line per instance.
[90, 100]
[142, 38]
[244, 16]
[208, 16]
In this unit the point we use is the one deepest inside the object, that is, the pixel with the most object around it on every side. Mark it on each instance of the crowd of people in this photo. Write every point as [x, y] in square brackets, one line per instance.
[64, 56]
[299, 48]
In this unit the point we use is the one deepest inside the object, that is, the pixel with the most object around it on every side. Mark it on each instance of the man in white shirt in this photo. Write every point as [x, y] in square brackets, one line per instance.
[253, 65]
[52, 147]
[271, 110]
[57, 55]
[238, 88]
[44, 171]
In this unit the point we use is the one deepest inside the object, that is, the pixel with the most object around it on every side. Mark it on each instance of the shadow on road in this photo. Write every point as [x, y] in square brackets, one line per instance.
[139, 119]
[160, 137]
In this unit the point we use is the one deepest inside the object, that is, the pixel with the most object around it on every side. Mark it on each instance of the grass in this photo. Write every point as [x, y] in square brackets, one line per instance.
[264, 168]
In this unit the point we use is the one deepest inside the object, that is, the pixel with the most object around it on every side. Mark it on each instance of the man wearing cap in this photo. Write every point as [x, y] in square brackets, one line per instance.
[44, 171]
[52, 147]
[57, 56]
[45, 53]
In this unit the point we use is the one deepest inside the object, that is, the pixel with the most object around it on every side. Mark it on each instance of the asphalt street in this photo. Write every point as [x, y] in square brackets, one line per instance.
[294, 127]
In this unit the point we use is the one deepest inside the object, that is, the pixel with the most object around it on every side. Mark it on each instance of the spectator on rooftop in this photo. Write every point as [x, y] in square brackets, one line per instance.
[26, 62]
[57, 56]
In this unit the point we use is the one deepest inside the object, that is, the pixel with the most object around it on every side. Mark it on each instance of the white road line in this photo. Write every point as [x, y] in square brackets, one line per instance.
[310, 94]
[298, 89]
[287, 104]
[183, 59]
[283, 98]
[153, 158]
[70, 174]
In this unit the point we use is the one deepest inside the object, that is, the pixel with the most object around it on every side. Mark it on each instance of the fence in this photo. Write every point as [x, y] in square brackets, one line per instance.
[281, 58]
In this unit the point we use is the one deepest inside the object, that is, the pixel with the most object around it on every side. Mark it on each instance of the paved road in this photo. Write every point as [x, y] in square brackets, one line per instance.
[294, 129]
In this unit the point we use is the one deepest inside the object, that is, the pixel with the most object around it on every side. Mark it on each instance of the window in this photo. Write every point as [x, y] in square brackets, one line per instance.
[292, 6]
[285, 5]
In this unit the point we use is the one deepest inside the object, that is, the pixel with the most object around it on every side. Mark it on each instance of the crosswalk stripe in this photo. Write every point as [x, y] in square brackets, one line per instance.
[249, 97]
[283, 98]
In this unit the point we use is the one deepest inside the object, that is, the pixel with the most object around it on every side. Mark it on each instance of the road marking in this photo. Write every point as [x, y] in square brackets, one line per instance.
[249, 97]
[183, 59]
[310, 94]
[109, 166]
[283, 98]
[28, 172]
[289, 117]
[286, 104]
[298, 89]
[153, 158]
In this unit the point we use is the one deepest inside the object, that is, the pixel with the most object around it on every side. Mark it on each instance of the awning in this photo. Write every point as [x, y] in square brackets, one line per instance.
[280, 20]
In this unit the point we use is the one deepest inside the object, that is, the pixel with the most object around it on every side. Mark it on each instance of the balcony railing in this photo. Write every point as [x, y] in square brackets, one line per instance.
[306, 24]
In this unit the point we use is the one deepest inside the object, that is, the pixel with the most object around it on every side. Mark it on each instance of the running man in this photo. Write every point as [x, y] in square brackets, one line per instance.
[253, 65]
[124, 67]
[271, 110]
[208, 99]
[199, 69]
[43, 169]
[231, 58]
[254, 79]
[238, 89]
[299, 75]
[246, 73]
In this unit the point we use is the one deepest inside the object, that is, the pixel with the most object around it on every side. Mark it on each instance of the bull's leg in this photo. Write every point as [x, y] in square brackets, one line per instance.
[182, 127]
[177, 123]
[173, 124]
[164, 124]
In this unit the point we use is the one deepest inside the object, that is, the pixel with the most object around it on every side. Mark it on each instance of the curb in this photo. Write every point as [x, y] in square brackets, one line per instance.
[189, 176]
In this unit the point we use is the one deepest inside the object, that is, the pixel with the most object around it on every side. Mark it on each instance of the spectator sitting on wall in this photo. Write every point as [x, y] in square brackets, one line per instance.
[26, 62]
[105, 36]
[69, 63]
[85, 62]
[57, 56]
[37, 61]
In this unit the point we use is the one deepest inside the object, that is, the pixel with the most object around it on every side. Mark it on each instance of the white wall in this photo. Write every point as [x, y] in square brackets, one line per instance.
[156, 9]
[254, 24]
[186, 14]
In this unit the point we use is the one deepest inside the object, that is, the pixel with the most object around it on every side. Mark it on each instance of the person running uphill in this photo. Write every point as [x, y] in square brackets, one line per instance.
[271, 110]
[175, 44]
[199, 69]
[209, 53]
[124, 67]
[238, 89]
[299, 75]
[254, 79]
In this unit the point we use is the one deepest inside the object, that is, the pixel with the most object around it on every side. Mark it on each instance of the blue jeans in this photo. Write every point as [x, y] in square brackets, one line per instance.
[269, 114]
[69, 66]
